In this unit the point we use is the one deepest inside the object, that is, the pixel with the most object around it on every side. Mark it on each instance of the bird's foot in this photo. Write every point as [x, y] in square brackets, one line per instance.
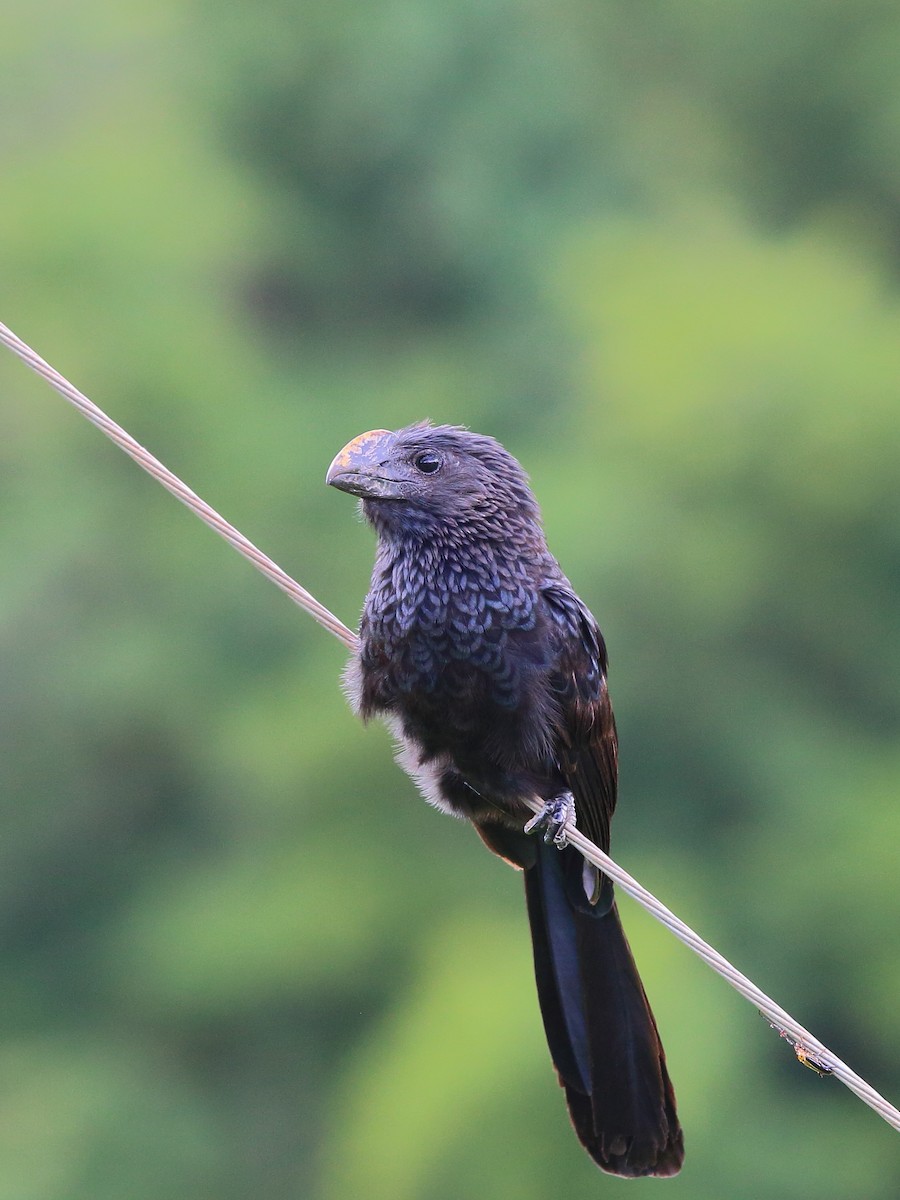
[553, 818]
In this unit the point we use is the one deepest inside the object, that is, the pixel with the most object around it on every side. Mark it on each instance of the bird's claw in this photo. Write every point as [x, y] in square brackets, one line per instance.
[553, 819]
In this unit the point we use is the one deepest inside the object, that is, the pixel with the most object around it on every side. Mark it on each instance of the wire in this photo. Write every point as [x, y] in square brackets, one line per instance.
[808, 1049]
[179, 489]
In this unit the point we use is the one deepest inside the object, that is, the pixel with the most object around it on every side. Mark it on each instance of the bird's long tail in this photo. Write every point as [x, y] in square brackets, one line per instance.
[601, 1032]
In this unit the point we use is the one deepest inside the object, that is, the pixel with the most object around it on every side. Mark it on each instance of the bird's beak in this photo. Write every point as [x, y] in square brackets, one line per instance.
[363, 467]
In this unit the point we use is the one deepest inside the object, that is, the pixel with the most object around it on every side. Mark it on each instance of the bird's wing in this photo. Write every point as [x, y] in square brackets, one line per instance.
[587, 746]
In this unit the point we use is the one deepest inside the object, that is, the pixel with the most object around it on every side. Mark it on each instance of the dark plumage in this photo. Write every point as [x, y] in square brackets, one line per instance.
[492, 672]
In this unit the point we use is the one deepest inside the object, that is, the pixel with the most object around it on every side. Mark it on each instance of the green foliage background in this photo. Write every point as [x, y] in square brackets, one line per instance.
[654, 248]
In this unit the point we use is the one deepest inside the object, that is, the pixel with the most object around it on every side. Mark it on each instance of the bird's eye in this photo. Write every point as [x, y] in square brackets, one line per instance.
[427, 462]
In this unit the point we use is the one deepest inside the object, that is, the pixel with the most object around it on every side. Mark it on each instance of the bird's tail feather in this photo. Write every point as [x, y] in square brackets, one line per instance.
[600, 1029]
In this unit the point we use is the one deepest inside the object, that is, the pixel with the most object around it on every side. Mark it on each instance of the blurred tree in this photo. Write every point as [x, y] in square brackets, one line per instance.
[653, 248]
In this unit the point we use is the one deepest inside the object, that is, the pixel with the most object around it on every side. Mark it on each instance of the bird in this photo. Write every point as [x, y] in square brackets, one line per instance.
[491, 673]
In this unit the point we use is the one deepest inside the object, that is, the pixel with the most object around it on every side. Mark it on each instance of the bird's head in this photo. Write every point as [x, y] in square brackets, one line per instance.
[427, 479]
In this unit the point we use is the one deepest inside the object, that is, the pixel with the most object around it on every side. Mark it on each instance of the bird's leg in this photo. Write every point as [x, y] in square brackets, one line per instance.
[557, 812]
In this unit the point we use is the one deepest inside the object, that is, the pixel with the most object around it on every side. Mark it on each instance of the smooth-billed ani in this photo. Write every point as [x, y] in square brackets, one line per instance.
[492, 673]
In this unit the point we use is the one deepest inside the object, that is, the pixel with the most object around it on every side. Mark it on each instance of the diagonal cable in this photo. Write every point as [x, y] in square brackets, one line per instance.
[179, 490]
[807, 1047]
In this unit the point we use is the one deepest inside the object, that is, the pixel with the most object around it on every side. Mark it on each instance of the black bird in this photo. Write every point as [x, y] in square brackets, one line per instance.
[492, 673]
